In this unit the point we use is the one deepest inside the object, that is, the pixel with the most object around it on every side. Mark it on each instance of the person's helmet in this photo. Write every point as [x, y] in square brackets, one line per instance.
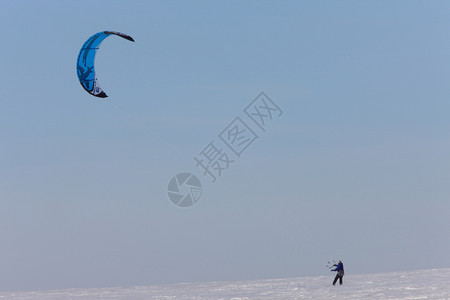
[339, 261]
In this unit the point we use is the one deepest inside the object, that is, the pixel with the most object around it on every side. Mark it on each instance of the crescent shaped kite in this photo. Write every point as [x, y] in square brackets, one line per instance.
[85, 62]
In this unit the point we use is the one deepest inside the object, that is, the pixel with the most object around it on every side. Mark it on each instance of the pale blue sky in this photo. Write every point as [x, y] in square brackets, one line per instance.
[357, 168]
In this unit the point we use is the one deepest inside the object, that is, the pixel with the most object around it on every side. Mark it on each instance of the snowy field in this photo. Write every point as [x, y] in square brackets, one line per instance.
[425, 284]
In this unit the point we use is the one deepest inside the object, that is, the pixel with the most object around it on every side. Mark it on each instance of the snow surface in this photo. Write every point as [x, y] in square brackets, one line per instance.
[425, 284]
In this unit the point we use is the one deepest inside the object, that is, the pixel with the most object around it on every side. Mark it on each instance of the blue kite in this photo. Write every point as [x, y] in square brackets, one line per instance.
[85, 62]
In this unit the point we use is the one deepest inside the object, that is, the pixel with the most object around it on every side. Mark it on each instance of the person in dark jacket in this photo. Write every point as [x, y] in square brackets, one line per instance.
[340, 272]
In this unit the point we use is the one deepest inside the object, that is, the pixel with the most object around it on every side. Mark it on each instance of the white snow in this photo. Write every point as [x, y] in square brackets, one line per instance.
[424, 284]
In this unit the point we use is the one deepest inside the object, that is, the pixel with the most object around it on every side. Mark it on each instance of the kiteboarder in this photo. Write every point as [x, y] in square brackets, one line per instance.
[340, 272]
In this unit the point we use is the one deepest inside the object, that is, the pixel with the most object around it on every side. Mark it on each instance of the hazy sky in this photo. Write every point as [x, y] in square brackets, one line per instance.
[357, 168]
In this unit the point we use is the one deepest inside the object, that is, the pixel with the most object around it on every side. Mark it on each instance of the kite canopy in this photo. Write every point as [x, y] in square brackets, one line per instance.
[85, 62]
